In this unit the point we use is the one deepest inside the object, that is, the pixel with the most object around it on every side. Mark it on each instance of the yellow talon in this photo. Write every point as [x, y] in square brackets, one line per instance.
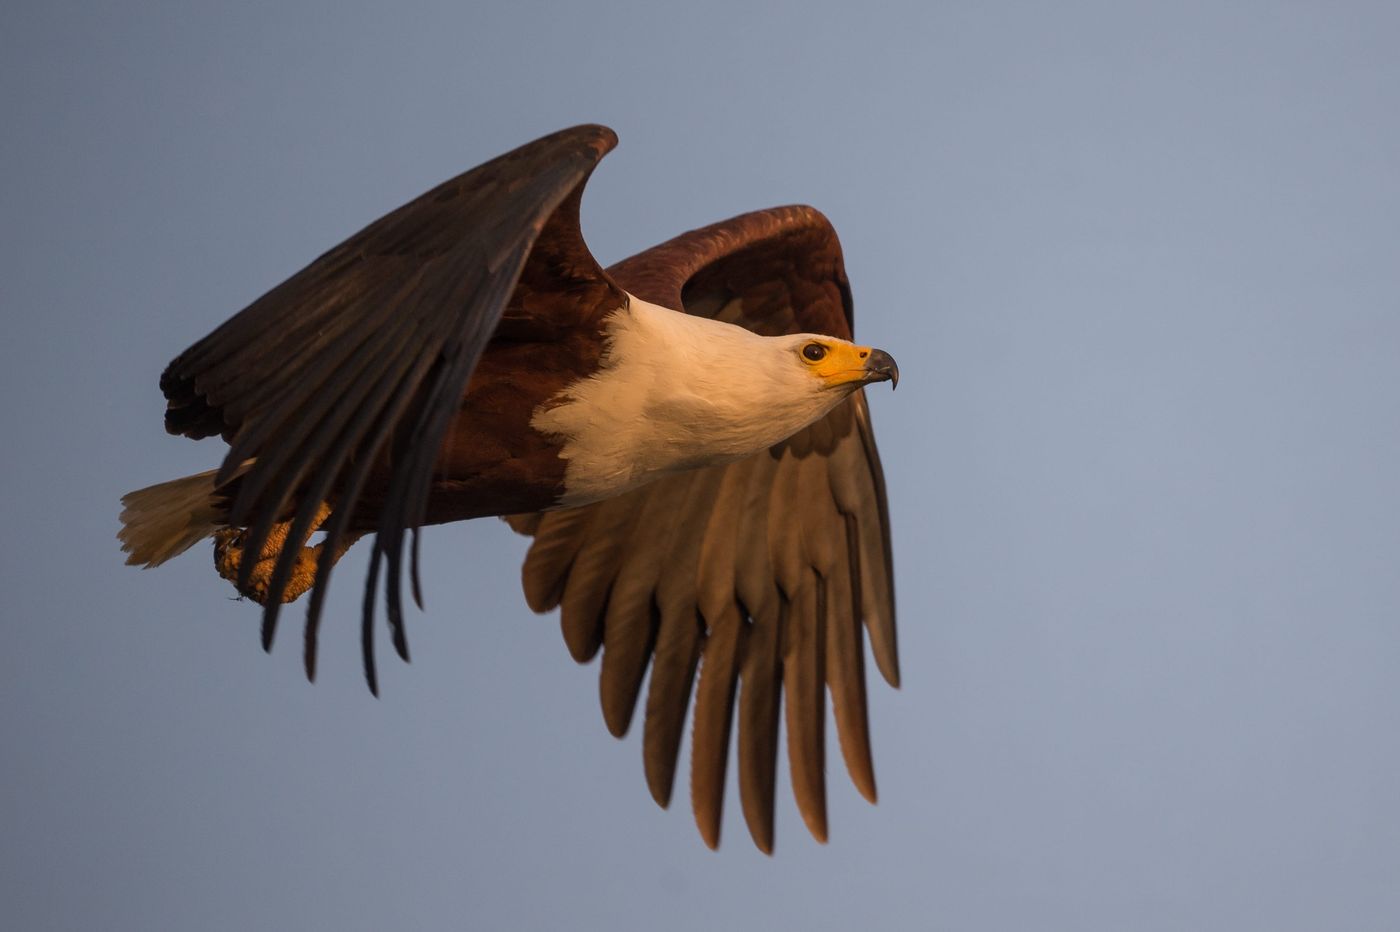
[229, 555]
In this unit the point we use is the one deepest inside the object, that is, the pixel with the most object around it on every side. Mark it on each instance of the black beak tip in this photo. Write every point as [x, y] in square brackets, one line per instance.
[883, 368]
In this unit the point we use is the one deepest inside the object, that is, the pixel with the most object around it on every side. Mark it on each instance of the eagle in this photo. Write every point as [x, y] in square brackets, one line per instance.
[684, 436]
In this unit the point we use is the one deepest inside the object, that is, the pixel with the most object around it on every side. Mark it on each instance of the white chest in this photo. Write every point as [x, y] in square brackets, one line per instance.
[674, 392]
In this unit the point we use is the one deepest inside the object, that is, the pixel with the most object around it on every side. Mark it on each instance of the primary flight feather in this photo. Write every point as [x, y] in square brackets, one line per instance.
[684, 435]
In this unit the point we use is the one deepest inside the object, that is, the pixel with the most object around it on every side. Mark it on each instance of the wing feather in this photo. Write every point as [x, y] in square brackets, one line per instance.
[804, 683]
[633, 618]
[678, 643]
[845, 669]
[714, 712]
[591, 577]
[762, 675]
[558, 537]
[865, 502]
[681, 632]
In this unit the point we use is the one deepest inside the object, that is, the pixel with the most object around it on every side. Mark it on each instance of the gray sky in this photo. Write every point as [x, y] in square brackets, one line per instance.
[1139, 267]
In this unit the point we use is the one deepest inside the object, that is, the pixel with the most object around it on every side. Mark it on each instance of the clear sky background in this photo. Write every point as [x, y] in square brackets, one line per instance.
[1140, 265]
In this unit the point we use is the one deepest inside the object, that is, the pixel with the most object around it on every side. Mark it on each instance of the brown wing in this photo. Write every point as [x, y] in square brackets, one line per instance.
[759, 573]
[365, 354]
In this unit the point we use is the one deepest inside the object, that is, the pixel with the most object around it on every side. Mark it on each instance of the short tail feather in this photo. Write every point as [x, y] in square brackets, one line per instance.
[165, 520]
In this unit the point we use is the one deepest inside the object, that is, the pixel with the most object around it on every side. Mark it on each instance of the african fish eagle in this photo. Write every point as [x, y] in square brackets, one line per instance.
[684, 435]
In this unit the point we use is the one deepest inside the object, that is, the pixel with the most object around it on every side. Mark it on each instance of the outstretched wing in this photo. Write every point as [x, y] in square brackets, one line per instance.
[364, 355]
[760, 573]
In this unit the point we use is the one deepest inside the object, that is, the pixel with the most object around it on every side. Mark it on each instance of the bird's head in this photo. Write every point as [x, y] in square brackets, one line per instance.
[840, 365]
[767, 386]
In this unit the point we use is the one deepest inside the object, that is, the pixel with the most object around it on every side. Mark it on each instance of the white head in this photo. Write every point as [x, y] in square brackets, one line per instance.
[678, 392]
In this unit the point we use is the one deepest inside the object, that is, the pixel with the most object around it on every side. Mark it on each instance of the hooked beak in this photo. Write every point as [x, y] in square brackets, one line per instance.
[880, 367]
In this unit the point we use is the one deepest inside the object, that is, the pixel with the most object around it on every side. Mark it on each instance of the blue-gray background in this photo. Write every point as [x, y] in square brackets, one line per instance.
[1141, 269]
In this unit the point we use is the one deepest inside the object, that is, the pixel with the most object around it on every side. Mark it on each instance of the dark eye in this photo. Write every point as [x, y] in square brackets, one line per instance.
[814, 352]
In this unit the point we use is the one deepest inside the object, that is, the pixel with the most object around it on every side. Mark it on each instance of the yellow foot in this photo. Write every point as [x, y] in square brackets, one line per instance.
[229, 556]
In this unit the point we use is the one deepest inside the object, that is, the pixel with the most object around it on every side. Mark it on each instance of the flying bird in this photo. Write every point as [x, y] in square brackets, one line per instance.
[684, 435]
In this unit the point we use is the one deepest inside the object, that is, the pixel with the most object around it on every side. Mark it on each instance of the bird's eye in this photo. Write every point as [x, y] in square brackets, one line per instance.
[814, 352]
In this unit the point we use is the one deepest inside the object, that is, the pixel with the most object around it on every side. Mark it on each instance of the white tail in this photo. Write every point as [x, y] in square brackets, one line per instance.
[165, 520]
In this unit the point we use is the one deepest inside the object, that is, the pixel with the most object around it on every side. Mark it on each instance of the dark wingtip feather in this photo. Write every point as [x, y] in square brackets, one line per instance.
[371, 678]
[367, 622]
[417, 585]
[269, 623]
[309, 652]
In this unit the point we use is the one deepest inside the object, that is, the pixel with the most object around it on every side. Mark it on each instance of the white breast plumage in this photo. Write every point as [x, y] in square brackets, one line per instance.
[675, 392]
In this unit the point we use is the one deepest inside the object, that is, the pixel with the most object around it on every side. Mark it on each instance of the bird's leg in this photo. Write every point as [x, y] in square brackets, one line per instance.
[229, 556]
